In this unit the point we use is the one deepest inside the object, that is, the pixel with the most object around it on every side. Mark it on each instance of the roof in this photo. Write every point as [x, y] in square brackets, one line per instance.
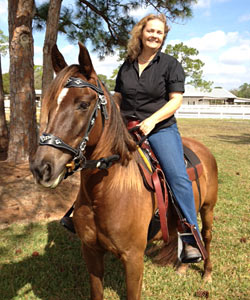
[218, 92]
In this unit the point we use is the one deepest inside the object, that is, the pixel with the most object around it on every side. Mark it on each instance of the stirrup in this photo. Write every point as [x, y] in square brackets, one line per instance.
[67, 221]
[181, 251]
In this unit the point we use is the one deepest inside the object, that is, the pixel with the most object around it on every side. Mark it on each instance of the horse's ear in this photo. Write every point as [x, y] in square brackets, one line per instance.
[58, 61]
[85, 61]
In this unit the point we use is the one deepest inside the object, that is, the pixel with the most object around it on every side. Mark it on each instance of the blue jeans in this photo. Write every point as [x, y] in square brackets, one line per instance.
[168, 149]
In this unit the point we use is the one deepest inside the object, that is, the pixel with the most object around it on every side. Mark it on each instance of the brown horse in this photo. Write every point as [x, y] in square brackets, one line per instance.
[113, 208]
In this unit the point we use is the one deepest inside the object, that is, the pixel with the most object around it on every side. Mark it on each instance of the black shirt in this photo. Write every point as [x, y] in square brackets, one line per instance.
[143, 95]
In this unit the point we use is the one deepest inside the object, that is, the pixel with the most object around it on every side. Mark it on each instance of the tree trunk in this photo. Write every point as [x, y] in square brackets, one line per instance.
[49, 42]
[23, 133]
[4, 139]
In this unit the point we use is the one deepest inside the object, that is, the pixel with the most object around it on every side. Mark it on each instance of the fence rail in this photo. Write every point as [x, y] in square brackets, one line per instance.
[214, 111]
[202, 111]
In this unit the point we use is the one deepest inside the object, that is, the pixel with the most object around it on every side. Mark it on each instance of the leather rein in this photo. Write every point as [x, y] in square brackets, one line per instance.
[79, 161]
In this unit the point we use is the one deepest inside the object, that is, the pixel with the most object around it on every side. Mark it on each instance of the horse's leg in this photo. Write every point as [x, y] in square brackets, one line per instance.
[94, 262]
[181, 268]
[206, 232]
[133, 263]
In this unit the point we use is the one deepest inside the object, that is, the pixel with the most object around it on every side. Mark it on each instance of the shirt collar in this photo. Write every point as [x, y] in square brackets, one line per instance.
[156, 58]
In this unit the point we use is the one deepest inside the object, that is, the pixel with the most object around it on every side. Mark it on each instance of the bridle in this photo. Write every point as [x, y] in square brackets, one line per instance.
[79, 161]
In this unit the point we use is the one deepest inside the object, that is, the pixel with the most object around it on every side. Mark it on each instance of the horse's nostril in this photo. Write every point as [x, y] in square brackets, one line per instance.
[46, 171]
[43, 171]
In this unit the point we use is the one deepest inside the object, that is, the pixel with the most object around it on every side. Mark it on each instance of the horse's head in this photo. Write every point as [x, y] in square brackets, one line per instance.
[70, 112]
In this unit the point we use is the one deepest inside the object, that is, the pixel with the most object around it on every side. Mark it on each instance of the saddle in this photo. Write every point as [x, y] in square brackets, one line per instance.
[155, 180]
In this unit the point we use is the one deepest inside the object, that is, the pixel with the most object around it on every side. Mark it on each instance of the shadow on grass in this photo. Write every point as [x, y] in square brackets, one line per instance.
[243, 139]
[59, 273]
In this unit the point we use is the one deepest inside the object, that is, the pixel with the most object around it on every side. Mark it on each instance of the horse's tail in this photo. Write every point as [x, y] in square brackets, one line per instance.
[163, 254]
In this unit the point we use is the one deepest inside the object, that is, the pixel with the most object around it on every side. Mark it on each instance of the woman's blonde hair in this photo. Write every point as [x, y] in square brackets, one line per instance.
[134, 47]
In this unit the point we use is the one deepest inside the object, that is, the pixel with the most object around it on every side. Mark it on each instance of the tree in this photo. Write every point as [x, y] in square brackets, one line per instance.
[243, 91]
[50, 41]
[4, 137]
[23, 137]
[106, 24]
[109, 83]
[192, 67]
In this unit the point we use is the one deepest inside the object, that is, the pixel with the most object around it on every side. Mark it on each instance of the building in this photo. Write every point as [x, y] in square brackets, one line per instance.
[218, 95]
[38, 99]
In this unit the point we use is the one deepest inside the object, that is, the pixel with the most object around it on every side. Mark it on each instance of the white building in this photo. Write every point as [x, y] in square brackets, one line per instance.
[218, 95]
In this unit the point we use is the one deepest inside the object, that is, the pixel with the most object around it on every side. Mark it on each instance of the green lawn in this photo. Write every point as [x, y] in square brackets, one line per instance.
[43, 260]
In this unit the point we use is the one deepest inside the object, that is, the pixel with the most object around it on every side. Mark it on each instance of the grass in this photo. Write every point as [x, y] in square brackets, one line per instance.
[43, 261]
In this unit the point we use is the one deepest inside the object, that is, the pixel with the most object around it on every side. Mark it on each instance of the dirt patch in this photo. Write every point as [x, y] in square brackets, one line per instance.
[21, 200]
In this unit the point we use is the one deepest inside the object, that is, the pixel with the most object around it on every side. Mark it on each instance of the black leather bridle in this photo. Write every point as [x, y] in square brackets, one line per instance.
[80, 161]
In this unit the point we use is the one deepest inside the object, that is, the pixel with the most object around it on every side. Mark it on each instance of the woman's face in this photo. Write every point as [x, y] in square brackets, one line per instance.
[153, 34]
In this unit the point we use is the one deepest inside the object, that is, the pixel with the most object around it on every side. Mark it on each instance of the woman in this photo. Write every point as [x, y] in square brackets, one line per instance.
[149, 88]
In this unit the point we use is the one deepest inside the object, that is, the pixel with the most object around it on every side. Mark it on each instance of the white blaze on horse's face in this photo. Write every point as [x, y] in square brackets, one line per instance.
[61, 96]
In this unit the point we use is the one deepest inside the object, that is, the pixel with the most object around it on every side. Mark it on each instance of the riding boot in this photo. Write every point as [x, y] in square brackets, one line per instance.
[67, 221]
[191, 249]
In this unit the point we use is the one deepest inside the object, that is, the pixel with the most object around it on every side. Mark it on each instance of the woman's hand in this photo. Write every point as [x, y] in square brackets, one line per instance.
[147, 125]
[175, 100]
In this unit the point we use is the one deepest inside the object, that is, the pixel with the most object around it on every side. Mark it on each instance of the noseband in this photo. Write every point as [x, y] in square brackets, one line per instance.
[79, 160]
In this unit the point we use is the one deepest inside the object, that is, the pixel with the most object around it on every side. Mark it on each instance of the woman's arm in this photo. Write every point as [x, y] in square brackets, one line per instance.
[175, 100]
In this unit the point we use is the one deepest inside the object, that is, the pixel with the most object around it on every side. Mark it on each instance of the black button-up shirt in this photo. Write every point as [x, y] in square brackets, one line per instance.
[143, 95]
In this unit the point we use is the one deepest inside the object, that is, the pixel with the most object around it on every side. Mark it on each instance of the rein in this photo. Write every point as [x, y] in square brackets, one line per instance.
[79, 161]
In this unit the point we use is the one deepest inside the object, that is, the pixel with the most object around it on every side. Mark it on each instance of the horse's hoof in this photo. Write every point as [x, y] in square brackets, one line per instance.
[207, 278]
[182, 269]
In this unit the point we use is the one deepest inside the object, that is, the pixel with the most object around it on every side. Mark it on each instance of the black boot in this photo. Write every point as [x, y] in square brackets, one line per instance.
[190, 254]
[67, 222]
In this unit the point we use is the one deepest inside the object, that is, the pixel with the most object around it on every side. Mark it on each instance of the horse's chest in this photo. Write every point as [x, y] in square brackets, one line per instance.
[90, 229]
[85, 225]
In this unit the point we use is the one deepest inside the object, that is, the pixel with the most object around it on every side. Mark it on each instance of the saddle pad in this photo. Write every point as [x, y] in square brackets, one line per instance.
[192, 162]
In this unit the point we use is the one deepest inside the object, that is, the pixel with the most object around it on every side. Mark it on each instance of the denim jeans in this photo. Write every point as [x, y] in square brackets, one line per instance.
[168, 149]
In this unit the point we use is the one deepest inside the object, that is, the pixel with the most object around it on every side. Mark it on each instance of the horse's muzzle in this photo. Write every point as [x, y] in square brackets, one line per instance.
[45, 173]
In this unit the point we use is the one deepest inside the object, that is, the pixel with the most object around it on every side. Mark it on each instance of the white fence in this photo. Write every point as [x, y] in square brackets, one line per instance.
[214, 111]
[205, 111]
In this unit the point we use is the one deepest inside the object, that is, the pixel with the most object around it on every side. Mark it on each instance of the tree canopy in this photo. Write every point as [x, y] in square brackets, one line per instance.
[192, 66]
[3, 43]
[243, 91]
[106, 24]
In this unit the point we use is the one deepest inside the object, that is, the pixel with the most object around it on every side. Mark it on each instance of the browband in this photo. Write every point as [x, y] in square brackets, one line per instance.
[79, 83]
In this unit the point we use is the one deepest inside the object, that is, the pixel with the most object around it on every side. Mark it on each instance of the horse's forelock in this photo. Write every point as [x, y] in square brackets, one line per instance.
[58, 84]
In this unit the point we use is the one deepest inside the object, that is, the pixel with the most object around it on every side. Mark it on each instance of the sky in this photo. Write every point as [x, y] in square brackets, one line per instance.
[219, 30]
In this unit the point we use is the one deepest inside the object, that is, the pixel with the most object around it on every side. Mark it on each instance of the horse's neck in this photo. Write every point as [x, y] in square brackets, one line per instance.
[115, 181]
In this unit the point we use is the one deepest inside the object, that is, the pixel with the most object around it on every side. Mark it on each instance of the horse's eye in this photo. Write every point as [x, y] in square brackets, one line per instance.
[83, 106]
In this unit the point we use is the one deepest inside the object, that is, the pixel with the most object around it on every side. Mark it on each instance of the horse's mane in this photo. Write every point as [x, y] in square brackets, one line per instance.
[119, 140]
[116, 139]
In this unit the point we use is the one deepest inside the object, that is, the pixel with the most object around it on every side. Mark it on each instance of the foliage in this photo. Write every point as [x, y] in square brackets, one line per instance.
[106, 24]
[38, 70]
[3, 43]
[243, 91]
[43, 261]
[38, 73]
[192, 67]
[109, 83]
[6, 83]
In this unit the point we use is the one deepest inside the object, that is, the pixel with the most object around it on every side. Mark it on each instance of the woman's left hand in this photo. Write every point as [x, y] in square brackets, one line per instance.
[147, 125]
